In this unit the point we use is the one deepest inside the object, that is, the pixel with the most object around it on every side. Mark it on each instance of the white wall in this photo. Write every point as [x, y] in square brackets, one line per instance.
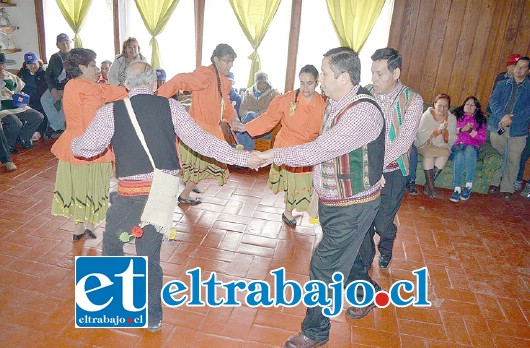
[25, 38]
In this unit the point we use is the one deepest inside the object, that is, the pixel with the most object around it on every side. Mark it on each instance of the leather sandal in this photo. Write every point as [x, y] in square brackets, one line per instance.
[189, 201]
[288, 222]
[197, 190]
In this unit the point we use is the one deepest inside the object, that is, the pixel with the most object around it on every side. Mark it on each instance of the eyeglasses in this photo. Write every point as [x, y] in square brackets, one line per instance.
[227, 60]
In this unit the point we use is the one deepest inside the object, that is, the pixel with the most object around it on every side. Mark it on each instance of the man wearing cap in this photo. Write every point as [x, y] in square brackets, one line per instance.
[20, 120]
[32, 74]
[256, 100]
[505, 75]
[508, 125]
[56, 79]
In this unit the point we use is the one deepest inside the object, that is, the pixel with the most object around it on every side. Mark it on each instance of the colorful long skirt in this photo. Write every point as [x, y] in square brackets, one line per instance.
[296, 183]
[196, 167]
[82, 191]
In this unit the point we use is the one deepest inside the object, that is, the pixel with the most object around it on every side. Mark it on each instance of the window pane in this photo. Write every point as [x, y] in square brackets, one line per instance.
[97, 32]
[176, 42]
[222, 26]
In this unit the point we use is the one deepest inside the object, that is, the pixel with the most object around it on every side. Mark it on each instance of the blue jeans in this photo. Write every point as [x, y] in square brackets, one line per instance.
[56, 118]
[244, 138]
[413, 164]
[22, 125]
[464, 157]
[122, 215]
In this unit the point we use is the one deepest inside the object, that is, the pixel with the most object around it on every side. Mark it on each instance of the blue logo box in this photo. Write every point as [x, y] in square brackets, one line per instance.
[111, 292]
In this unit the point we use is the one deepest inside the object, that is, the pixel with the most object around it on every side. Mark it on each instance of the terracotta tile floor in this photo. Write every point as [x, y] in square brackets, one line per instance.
[477, 254]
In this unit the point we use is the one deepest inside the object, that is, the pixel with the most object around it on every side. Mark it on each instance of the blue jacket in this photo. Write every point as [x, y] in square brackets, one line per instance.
[521, 111]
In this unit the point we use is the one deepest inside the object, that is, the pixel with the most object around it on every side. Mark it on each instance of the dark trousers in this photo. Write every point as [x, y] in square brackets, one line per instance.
[344, 230]
[413, 163]
[391, 197]
[122, 216]
[5, 155]
[22, 125]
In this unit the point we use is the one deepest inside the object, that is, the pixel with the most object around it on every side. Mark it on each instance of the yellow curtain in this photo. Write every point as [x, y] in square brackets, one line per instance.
[155, 14]
[353, 20]
[74, 12]
[254, 18]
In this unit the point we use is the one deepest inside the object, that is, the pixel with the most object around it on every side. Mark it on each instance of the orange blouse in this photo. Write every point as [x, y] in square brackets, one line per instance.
[298, 127]
[205, 99]
[81, 101]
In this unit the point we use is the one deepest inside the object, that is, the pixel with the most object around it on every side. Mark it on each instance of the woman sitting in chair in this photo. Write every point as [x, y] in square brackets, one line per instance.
[436, 135]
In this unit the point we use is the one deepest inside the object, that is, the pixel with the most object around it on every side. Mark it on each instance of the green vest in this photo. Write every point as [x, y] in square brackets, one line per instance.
[399, 106]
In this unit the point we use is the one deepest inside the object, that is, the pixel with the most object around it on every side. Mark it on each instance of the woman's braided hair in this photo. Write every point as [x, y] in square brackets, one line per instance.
[221, 51]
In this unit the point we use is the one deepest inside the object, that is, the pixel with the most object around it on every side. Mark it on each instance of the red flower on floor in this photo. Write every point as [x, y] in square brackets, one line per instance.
[137, 232]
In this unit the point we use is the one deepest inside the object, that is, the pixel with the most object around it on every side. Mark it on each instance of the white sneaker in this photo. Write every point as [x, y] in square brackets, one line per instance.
[526, 192]
[36, 136]
[517, 185]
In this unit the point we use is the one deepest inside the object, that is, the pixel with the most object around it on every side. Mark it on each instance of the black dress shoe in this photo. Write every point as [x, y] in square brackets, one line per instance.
[493, 189]
[302, 341]
[77, 237]
[89, 234]
[189, 201]
[384, 260]
[13, 150]
[26, 144]
[155, 327]
[288, 222]
[359, 312]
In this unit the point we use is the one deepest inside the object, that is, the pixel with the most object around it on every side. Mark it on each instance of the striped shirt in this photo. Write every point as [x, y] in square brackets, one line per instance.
[98, 136]
[358, 126]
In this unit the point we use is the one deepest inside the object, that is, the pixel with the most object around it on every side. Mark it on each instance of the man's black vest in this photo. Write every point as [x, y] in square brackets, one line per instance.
[154, 116]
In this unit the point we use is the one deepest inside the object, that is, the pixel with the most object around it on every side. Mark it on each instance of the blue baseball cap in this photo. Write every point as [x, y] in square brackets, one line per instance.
[31, 58]
[160, 74]
[62, 37]
[230, 76]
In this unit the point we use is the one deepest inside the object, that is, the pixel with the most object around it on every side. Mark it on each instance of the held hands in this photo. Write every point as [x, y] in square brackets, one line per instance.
[467, 128]
[258, 159]
[442, 126]
[237, 126]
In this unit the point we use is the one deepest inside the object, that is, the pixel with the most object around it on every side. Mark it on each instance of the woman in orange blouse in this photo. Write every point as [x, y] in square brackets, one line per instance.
[211, 109]
[82, 187]
[300, 113]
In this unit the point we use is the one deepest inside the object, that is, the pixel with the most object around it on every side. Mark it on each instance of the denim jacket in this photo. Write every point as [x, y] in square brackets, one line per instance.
[521, 111]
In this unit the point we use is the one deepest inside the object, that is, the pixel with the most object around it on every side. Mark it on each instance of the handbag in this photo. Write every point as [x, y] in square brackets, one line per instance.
[163, 196]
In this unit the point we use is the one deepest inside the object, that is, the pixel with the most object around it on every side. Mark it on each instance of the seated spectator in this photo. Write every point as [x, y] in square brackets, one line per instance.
[5, 155]
[235, 97]
[56, 78]
[436, 136]
[160, 77]
[130, 53]
[103, 76]
[256, 100]
[471, 132]
[20, 120]
[32, 74]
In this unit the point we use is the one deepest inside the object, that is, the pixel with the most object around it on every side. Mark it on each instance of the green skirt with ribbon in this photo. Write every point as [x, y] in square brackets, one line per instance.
[296, 183]
[82, 191]
[196, 167]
